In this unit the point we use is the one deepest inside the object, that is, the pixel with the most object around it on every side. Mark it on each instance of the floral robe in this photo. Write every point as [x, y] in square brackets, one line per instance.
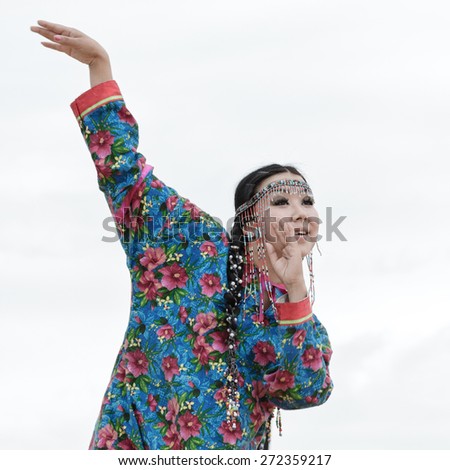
[167, 387]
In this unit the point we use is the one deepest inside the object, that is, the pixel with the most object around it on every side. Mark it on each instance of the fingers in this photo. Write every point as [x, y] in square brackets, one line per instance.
[270, 249]
[55, 47]
[51, 45]
[55, 28]
[43, 32]
[271, 232]
[51, 30]
[290, 233]
[285, 234]
[60, 43]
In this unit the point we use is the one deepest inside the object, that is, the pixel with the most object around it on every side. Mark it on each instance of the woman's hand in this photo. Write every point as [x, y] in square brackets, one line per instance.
[78, 45]
[287, 265]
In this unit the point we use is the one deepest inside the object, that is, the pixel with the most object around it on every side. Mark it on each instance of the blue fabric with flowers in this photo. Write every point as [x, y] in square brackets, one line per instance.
[167, 388]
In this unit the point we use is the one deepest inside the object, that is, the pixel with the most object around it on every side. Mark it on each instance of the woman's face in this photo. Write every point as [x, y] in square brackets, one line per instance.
[290, 209]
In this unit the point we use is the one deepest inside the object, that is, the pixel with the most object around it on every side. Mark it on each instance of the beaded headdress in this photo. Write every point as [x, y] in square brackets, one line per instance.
[251, 224]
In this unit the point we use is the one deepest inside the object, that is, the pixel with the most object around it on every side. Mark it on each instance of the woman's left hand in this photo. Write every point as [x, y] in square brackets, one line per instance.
[287, 260]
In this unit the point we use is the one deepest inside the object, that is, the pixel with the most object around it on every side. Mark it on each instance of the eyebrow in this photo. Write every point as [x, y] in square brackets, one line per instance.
[285, 195]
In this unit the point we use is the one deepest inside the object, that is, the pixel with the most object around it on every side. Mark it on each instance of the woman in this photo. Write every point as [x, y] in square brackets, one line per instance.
[220, 333]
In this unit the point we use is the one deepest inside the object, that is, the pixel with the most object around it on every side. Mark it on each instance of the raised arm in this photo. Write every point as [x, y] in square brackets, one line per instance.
[144, 208]
[132, 191]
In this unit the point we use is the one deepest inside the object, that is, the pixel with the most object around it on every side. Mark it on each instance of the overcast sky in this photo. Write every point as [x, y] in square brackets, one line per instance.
[354, 93]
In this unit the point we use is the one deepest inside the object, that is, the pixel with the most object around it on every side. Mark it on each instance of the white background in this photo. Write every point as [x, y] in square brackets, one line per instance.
[354, 93]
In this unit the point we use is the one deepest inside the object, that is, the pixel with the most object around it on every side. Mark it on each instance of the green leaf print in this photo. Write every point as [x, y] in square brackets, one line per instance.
[142, 384]
[176, 297]
[119, 147]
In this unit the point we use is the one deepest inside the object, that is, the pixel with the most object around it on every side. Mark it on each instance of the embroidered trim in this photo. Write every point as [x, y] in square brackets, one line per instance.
[99, 104]
[295, 322]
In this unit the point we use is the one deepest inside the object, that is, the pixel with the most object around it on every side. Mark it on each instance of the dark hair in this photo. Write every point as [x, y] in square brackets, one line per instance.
[245, 190]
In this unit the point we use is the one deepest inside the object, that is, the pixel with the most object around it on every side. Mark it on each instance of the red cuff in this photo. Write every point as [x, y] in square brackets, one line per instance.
[294, 313]
[95, 97]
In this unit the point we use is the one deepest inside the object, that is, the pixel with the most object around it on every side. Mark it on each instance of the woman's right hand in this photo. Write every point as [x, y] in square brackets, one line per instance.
[70, 41]
[78, 45]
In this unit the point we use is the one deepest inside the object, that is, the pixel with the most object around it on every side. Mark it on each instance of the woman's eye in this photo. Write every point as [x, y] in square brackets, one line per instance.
[309, 201]
[279, 202]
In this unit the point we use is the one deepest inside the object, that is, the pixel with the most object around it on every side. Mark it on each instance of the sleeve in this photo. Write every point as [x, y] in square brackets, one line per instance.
[300, 377]
[111, 134]
[143, 207]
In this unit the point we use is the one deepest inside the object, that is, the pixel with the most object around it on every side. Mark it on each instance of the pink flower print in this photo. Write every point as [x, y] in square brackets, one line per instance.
[152, 258]
[220, 341]
[267, 407]
[189, 425]
[127, 444]
[202, 350]
[327, 352]
[265, 322]
[137, 362]
[136, 193]
[105, 400]
[280, 380]
[259, 390]
[100, 143]
[312, 400]
[210, 284]
[173, 276]
[149, 285]
[312, 358]
[298, 338]
[173, 408]
[221, 394]
[257, 417]
[194, 210]
[103, 168]
[224, 238]
[126, 116]
[172, 438]
[241, 380]
[183, 314]
[230, 435]
[157, 184]
[327, 380]
[122, 372]
[125, 216]
[170, 367]
[264, 353]
[151, 402]
[171, 202]
[138, 416]
[209, 248]
[107, 436]
[165, 331]
[167, 223]
[205, 322]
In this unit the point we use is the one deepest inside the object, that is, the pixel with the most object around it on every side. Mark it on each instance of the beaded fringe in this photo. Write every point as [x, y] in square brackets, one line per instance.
[252, 217]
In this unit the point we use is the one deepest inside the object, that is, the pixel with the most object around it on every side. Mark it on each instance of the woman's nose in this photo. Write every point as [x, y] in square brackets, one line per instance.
[298, 212]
